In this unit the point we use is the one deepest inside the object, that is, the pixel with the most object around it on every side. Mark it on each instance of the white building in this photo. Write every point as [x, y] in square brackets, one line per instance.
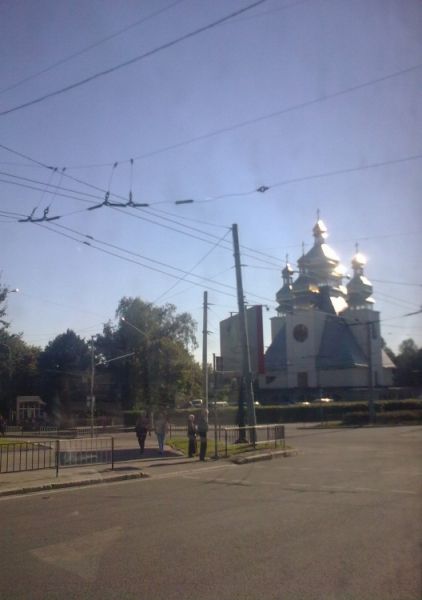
[326, 337]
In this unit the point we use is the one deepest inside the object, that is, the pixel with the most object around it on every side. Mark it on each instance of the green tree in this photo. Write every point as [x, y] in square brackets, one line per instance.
[18, 362]
[3, 296]
[162, 365]
[63, 366]
[409, 364]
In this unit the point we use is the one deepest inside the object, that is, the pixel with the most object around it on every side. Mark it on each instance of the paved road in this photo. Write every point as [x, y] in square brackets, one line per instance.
[339, 521]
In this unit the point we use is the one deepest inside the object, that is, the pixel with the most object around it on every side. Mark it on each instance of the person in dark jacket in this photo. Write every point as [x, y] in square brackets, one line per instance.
[202, 429]
[141, 429]
[191, 436]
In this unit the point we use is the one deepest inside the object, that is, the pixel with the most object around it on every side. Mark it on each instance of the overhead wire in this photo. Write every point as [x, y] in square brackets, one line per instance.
[90, 242]
[136, 59]
[201, 260]
[282, 111]
[143, 257]
[70, 57]
[151, 211]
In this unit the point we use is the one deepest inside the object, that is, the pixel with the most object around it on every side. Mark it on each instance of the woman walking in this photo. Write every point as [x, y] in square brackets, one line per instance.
[161, 428]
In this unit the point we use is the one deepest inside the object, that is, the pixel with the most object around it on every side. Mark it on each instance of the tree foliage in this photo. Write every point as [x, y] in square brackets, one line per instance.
[409, 364]
[3, 296]
[162, 365]
[63, 366]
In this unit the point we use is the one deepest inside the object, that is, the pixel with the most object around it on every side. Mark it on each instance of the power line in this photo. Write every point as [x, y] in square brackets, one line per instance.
[121, 249]
[90, 243]
[90, 47]
[262, 189]
[136, 59]
[266, 117]
[194, 267]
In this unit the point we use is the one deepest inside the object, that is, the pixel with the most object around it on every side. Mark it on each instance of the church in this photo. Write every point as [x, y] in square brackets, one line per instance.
[326, 337]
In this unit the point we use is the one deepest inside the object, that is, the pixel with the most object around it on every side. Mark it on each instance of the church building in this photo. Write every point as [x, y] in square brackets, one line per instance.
[326, 338]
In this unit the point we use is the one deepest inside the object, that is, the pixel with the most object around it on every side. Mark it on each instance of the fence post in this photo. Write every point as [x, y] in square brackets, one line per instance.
[225, 442]
[57, 457]
[112, 453]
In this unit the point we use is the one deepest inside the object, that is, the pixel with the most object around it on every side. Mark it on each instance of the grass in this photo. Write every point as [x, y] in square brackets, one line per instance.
[181, 443]
[13, 441]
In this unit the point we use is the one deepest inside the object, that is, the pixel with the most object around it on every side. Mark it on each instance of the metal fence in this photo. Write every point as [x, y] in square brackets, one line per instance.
[85, 451]
[233, 439]
[55, 454]
[26, 456]
[267, 436]
[17, 430]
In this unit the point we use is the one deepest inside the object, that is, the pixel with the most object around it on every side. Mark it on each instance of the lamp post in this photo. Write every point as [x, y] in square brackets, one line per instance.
[6, 292]
[92, 378]
[9, 373]
[147, 382]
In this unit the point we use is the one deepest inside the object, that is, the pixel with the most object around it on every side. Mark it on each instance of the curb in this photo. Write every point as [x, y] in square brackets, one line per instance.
[68, 484]
[242, 460]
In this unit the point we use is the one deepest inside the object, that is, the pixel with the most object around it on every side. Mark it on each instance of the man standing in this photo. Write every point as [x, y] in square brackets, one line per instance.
[202, 428]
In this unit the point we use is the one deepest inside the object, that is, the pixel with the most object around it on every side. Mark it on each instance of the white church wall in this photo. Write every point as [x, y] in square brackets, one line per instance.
[304, 331]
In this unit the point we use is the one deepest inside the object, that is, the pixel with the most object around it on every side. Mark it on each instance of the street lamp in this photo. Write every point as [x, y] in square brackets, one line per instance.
[147, 340]
[92, 382]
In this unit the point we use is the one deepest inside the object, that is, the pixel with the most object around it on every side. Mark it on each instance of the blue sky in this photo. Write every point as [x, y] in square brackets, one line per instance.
[317, 99]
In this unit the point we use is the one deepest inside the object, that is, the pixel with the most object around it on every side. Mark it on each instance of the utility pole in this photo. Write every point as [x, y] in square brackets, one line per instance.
[205, 351]
[246, 361]
[215, 407]
[91, 395]
[371, 405]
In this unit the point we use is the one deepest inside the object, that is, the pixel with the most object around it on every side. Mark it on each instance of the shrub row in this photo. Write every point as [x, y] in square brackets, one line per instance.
[385, 418]
[295, 413]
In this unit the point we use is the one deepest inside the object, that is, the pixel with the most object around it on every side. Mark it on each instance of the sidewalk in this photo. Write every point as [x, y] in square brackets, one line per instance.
[129, 464]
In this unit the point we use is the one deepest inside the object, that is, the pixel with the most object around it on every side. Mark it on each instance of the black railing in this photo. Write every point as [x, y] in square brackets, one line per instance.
[55, 454]
[259, 436]
[26, 456]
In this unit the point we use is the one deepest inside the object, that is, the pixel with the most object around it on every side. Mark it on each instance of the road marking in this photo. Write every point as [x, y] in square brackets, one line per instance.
[80, 556]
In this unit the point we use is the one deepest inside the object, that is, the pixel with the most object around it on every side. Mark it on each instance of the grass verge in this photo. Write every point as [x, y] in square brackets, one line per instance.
[180, 443]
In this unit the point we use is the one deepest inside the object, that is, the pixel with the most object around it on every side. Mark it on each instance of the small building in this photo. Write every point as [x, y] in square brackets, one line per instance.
[29, 408]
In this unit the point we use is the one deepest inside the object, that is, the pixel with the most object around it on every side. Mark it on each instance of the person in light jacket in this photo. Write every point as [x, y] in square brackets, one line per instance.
[161, 428]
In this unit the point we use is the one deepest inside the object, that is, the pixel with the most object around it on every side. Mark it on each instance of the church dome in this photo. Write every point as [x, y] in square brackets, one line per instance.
[321, 263]
[359, 288]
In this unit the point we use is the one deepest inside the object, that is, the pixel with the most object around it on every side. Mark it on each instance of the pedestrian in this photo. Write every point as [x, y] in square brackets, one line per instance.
[191, 436]
[202, 429]
[161, 428]
[2, 426]
[141, 429]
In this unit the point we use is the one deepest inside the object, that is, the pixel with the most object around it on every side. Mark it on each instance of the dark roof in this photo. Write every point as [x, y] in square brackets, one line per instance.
[276, 355]
[339, 349]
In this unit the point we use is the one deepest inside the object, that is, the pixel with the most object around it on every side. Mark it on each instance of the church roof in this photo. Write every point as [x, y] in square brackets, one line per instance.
[339, 349]
[276, 355]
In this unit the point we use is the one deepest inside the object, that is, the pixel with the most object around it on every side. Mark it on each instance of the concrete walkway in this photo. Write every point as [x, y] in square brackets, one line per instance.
[128, 464]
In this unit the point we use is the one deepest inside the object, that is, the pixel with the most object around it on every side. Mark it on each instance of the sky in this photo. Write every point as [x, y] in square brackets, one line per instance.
[318, 100]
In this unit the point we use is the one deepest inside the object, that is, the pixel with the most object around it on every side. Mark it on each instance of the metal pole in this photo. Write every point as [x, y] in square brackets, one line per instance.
[92, 385]
[215, 410]
[112, 453]
[205, 351]
[57, 457]
[246, 362]
[371, 405]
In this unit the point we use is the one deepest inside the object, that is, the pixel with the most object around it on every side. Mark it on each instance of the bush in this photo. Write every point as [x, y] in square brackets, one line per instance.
[384, 418]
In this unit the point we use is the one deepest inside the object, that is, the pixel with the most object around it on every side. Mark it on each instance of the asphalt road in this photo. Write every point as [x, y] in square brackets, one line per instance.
[341, 521]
